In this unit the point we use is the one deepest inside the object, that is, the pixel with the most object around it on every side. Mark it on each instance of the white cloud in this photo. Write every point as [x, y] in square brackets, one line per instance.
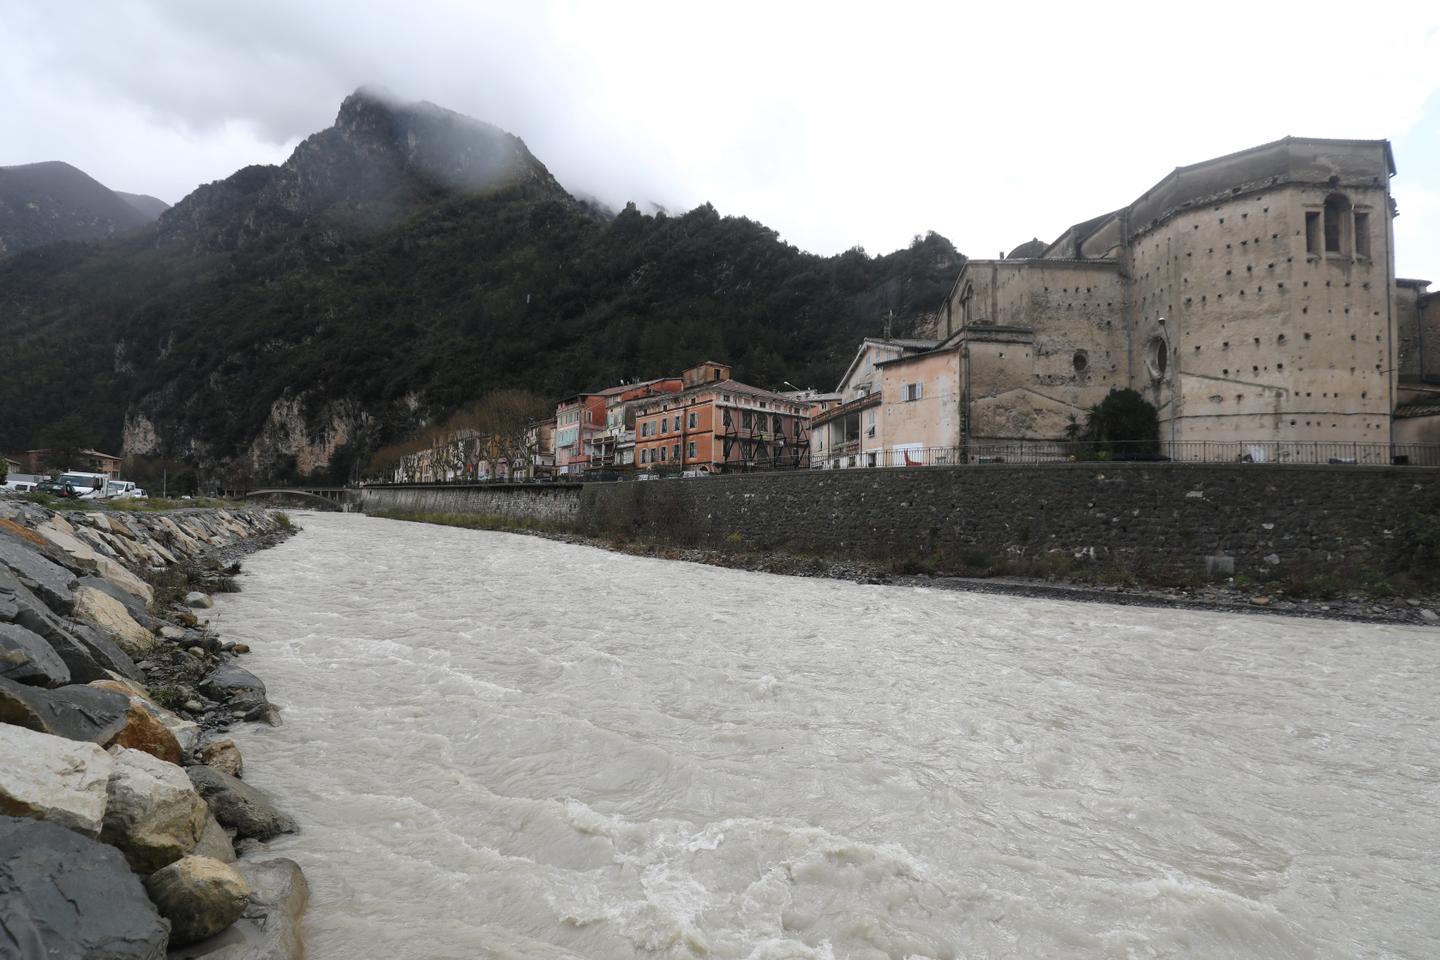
[835, 123]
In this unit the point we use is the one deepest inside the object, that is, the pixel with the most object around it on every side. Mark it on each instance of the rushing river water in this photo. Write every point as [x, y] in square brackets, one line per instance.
[501, 746]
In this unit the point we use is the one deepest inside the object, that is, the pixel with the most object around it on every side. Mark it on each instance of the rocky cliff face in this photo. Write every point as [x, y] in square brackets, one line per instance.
[378, 160]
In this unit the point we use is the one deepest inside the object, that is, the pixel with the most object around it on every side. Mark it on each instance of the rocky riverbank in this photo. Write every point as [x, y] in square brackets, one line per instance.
[126, 829]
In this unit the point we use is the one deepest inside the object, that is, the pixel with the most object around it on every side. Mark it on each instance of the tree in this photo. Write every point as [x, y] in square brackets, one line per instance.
[1124, 424]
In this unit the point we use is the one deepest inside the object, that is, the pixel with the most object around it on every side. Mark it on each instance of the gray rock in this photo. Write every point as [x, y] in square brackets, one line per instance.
[153, 815]
[51, 582]
[52, 778]
[84, 641]
[228, 682]
[269, 929]
[66, 897]
[215, 843]
[238, 805]
[77, 712]
[26, 657]
[199, 896]
[133, 604]
[198, 600]
[87, 652]
[1429, 616]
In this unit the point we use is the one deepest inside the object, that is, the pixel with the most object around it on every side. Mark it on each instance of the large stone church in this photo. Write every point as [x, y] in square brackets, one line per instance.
[1252, 298]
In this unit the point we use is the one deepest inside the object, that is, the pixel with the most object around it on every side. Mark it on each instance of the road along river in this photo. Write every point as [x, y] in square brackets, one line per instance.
[502, 746]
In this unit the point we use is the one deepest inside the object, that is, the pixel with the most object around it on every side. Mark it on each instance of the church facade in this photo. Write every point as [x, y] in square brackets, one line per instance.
[1251, 298]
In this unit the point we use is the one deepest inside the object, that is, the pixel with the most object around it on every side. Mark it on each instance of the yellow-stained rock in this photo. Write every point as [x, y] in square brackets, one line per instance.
[109, 614]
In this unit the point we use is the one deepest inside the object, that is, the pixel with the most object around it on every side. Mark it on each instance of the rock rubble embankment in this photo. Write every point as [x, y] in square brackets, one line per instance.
[121, 805]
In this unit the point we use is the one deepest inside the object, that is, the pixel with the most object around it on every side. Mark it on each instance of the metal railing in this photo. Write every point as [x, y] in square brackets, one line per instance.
[1185, 451]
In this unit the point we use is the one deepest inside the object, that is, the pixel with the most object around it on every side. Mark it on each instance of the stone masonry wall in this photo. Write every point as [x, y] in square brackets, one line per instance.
[1271, 519]
[551, 502]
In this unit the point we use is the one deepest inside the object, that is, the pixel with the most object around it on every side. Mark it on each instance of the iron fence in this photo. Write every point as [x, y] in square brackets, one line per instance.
[1186, 451]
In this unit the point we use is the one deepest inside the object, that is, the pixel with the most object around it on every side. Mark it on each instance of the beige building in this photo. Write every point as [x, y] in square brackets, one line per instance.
[1251, 298]
[1417, 411]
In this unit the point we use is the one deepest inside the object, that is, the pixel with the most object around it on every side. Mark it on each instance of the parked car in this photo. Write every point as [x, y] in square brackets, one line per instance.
[18, 486]
[55, 488]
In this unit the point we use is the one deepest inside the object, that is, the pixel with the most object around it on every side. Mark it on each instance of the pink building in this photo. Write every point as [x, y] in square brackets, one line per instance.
[577, 420]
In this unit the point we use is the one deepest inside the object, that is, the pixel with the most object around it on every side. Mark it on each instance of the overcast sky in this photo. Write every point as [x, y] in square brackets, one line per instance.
[836, 124]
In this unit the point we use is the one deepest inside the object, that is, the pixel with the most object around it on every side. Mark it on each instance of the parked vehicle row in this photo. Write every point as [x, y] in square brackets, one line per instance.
[78, 486]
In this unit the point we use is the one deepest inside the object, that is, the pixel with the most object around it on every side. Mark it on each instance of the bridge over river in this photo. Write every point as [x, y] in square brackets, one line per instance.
[315, 497]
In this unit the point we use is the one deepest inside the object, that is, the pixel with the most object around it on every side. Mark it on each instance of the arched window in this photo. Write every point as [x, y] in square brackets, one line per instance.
[1337, 223]
[966, 299]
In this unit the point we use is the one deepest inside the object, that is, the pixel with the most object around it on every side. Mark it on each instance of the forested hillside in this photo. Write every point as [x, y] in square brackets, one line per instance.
[289, 320]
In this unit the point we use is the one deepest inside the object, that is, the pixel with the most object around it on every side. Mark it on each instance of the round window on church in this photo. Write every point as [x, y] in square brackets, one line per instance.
[1081, 362]
[1157, 357]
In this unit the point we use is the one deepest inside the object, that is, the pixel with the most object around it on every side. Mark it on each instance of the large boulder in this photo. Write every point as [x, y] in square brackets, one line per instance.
[144, 731]
[87, 653]
[77, 712]
[215, 843]
[26, 657]
[52, 778]
[66, 897]
[222, 755]
[133, 604]
[238, 805]
[198, 600]
[199, 896]
[110, 615]
[228, 682]
[153, 816]
[51, 582]
[116, 573]
[269, 929]
[185, 732]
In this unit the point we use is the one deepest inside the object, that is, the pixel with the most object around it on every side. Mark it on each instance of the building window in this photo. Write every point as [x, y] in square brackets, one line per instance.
[690, 451]
[725, 417]
[911, 391]
[694, 419]
[1081, 362]
[676, 451]
[1157, 357]
[1362, 234]
[662, 453]
[1337, 212]
[1312, 232]
[745, 419]
[643, 459]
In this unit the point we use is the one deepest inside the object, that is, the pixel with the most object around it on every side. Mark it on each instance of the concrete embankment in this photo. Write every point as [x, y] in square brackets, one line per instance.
[122, 807]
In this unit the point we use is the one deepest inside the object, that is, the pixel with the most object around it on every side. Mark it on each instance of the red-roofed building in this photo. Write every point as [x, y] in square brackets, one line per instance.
[717, 424]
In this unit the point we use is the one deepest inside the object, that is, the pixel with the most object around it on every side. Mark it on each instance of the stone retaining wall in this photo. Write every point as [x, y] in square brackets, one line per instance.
[1267, 519]
[550, 502]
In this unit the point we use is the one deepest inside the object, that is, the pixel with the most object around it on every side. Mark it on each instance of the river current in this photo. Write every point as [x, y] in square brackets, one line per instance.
[503, 746]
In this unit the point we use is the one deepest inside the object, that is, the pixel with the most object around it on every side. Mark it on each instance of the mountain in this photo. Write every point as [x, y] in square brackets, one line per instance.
[288, 320]
[150, 207]
[48, 202]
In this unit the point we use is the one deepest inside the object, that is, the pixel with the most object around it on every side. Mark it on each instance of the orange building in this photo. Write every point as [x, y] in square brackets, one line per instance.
[717, 424]
[613, 448]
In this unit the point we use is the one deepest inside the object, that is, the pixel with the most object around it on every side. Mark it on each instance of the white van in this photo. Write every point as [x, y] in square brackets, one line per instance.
[120, 490]
[87, 486]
